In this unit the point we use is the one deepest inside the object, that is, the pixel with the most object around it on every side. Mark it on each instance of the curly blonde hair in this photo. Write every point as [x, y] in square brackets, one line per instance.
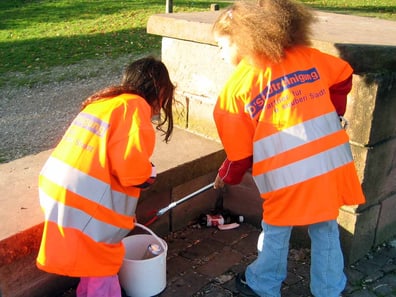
[265, 27]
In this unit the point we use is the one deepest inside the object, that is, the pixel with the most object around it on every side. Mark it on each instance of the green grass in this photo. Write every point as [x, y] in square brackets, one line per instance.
[36, 35]
[384, 9]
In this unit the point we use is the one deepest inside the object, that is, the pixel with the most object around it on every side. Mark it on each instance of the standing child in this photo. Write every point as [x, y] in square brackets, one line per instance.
[90, 185]
[279, 113]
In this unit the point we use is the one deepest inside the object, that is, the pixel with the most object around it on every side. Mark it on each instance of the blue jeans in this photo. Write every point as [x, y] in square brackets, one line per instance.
[266, 274]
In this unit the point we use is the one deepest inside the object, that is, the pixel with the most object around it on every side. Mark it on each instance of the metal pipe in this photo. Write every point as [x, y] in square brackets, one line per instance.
[169, 6]
[173, 204]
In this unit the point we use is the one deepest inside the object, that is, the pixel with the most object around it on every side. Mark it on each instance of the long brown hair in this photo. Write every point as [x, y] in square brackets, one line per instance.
[148, 78]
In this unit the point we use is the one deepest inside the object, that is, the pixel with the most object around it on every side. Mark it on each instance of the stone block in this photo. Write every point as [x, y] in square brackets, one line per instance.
[186, 157]
[371, 108]
[387, 220]
[20, 207]
[195, 68]
[245, 199]
[357, 232]
[187, 285]
[21, 278]
[20, 245]
[195, 114]
[202, 249]
[149, 203]
[249, 243]
[177, 266]
[187, 212]
[180, 110]
[232, 236]
[359, 154]
[373, 58]
[220, 263]
[184, 25]
[197, 82]
[200, 118]
[376, 168]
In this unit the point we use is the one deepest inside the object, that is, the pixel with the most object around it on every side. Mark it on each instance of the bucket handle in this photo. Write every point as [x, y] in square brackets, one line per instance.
[153, 234]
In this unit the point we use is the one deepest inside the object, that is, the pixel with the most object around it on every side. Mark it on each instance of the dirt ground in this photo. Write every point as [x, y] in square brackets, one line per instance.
[34, 117]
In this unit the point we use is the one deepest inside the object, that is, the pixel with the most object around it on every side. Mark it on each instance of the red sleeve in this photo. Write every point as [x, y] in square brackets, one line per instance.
[338, 95]
[231, 172]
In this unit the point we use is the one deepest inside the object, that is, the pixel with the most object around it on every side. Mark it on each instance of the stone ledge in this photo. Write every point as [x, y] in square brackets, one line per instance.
[195, 26]
[329, 27]
[337, 34]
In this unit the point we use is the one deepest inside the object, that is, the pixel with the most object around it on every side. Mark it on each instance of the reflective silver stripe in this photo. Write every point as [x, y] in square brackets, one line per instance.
[70, 217]
[304, 169]
[89, 187]
[295, 136]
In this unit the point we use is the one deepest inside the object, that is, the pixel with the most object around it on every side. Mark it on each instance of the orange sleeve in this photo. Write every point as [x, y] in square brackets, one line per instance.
[236, 136]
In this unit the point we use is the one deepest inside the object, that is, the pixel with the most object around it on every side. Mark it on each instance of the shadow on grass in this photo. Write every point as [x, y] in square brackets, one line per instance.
[16, 14]
[42, 53]
[30, 53]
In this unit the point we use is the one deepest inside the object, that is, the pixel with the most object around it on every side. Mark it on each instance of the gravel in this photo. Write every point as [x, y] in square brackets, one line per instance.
[34, 118]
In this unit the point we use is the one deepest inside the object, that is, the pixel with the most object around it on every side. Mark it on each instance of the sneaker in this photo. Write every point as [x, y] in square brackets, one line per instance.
[243, 287]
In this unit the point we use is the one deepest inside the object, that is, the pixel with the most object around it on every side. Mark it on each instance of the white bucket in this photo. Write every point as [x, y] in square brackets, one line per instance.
[143, 278]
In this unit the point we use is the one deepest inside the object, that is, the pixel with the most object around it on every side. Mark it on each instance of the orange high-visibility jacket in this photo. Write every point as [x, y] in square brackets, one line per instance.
[86, 187]
[282, 114]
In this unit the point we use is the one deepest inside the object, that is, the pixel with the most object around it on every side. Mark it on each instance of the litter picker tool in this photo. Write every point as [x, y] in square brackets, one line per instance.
[176, 203]
[164, 210]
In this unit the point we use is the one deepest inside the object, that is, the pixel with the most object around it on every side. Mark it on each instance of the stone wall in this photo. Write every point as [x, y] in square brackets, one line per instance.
[189, 51]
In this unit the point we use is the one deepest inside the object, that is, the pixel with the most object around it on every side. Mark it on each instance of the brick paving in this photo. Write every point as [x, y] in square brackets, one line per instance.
[205, 261]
